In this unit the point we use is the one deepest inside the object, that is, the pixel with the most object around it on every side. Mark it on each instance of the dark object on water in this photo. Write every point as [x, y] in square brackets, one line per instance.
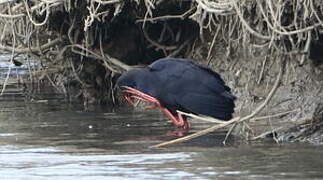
[16, 62]
[172, 84]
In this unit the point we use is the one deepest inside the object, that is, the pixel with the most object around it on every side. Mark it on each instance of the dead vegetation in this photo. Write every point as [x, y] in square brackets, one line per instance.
[82, 46]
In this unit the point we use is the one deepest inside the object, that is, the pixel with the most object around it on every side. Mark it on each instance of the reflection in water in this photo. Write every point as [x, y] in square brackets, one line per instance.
[56, 140]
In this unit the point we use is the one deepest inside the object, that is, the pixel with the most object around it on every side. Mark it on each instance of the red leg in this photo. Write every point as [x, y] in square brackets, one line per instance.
[179, 121]
[181, 118]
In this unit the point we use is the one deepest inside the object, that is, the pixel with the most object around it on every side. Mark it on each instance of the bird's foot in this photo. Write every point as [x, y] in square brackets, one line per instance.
[153, 104]
[186, 125]
[180, 132]
[136, 94]
[178, 121]
[128, 99]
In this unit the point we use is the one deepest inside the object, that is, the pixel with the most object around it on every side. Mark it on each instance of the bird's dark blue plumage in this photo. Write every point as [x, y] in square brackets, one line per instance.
[183, 85]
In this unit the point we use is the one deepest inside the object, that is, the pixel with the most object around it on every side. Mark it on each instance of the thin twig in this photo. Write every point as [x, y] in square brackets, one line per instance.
[33, 49]
[262, 135]
[203, 118]
[167, 17]
[307, 47]
[274, 115]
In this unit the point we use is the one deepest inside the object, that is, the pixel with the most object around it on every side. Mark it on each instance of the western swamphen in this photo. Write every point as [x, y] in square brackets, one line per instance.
[172, 84]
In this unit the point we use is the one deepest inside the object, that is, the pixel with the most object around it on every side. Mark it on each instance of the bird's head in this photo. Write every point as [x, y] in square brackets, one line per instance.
[138, 79]
[129, 78]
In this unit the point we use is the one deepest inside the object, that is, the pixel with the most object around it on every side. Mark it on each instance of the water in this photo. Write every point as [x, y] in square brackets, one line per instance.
[55, 140]
[52, 139]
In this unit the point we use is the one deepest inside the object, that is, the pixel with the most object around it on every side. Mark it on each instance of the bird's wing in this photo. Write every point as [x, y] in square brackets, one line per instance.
[186, 69]
[210, 105]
